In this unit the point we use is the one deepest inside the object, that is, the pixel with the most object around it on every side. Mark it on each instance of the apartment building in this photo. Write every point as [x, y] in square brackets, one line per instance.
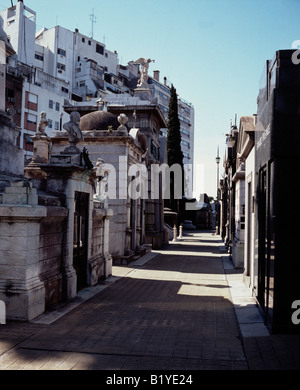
[31, 86]
[59, 66]
[161, 93]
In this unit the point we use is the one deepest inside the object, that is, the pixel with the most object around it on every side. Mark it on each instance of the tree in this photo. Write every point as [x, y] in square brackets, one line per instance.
[174, 152]
[175, 155]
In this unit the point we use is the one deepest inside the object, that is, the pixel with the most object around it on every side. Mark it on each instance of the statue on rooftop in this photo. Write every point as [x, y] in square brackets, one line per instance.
[43, 123]
[101, 104]
[144, 62]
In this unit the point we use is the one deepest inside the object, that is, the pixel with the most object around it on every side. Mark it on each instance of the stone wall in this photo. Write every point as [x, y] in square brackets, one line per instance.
[51, 244]
[11, 156]
[20, 286]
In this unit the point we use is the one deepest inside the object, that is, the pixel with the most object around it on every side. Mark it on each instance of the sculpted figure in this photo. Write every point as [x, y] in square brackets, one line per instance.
[144, 62]
[72, 127]
[102, 173]
[11, 112]
[102, 104]
[43, 123]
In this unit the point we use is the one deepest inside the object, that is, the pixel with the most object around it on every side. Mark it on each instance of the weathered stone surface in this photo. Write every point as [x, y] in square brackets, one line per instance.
[22, 302]
[99, 120]
[11, 156]
[22, 211]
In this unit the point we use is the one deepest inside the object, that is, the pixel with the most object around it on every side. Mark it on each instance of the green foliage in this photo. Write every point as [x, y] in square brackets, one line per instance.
[175, 155]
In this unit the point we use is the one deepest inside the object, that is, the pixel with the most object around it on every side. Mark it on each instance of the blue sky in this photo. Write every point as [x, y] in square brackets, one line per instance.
[213, 51]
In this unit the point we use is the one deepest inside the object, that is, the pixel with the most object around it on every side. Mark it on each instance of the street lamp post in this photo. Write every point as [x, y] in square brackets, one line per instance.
[217, 198]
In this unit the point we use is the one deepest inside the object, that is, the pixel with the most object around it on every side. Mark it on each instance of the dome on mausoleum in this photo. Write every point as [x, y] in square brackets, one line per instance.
[99, 120]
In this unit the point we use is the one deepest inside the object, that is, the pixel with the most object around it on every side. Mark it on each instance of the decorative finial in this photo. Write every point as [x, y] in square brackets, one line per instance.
[122, 119]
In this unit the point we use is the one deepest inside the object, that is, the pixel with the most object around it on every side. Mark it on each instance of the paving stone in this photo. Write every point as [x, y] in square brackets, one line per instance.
[179, 308]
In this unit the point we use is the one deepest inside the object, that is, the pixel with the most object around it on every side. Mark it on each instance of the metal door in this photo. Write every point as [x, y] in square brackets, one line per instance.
[262, 237]
[80, 241]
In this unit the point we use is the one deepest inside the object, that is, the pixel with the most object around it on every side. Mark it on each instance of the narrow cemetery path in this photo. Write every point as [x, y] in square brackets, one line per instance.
[169, 310]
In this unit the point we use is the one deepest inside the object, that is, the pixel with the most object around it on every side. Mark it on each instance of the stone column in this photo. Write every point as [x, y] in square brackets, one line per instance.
[41, 152]
[41, 149]
[106, 254]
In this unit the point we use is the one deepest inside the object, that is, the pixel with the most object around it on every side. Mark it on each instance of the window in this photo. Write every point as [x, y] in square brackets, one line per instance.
[82, 83]
[57, 106]
[30, 121]
[243, 209]
[50, 103]
[31, 118]
[90, 43]
[83, 39]
[163, 95]
[50, 123]
[184, 131]
[31, 101]
[10, 93]
[61, 66]
[32, 98]
[61, 52]
[99, 49]
[154, 150]
[64, 89]
[56, 125]
[39, 56]
[27, 143]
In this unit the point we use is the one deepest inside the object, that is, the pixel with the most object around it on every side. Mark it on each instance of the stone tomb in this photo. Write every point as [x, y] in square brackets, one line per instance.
[120, 150]
[53, 235]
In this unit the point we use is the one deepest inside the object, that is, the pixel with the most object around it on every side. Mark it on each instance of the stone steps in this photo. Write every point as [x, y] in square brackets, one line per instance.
[19, 192]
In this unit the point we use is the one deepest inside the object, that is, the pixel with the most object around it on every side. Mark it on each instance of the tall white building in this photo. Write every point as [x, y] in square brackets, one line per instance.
[161, 93]
[42, 89]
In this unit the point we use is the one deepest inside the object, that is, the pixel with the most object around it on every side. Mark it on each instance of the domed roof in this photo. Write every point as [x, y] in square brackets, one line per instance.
[99, 120]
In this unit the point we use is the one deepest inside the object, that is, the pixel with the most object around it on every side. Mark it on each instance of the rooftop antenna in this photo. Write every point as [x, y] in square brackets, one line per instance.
[93, 19]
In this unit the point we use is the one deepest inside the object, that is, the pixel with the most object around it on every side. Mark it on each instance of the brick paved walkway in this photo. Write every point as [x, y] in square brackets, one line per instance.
[171, 311]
